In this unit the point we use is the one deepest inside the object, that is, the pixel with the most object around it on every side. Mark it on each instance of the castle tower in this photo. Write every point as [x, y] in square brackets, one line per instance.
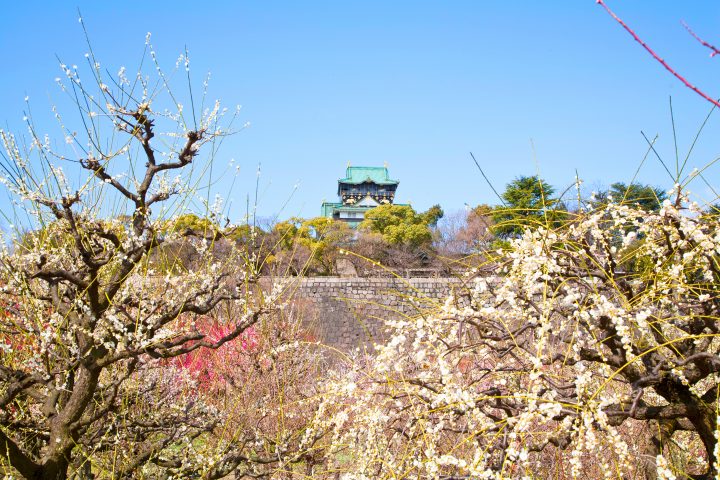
[362, 188]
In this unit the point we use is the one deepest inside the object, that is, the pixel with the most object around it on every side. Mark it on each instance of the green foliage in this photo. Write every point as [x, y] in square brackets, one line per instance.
[319, 237]
[286, 232]
[634, 261]
[399, 224]
[713, 210]
[482, 210]
[528, 203]
[433, 214]
[645, 197]
[321, 233]
[191, 224]
[324, 229]
[243, 233]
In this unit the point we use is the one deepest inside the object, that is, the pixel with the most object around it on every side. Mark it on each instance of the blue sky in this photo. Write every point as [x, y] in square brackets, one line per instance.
[549, 87]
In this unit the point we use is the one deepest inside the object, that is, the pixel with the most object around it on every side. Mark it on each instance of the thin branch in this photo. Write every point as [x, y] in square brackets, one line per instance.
[714, 52]
[657, 57]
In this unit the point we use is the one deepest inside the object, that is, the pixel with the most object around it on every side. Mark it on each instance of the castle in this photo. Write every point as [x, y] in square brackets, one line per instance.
[362, 188]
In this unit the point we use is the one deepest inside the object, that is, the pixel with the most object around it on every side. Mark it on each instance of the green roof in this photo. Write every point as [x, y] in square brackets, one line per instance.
[327, 208]
[357, 175]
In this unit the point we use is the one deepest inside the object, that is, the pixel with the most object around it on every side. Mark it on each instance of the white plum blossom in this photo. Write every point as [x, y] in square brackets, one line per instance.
[584, 332]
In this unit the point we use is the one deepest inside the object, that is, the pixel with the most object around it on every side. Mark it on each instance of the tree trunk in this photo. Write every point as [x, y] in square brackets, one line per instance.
[701, 415]
[56, 458]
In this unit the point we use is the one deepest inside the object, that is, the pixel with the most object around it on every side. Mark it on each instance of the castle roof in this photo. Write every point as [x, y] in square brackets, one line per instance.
[377, 175]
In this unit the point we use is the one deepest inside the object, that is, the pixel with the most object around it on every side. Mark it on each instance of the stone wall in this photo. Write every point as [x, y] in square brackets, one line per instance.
[347, 313]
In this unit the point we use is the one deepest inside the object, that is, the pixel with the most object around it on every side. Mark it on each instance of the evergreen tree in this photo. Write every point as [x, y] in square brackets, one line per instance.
[646, 197]
[529, 202]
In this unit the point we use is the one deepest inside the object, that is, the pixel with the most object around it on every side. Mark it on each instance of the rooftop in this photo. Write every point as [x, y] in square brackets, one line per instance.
[377, 175]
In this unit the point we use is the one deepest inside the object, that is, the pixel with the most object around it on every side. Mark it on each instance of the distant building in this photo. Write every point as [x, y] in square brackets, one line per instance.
[362, 188]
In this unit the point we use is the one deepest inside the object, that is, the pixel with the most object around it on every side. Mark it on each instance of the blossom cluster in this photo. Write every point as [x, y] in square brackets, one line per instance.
[551, 364]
